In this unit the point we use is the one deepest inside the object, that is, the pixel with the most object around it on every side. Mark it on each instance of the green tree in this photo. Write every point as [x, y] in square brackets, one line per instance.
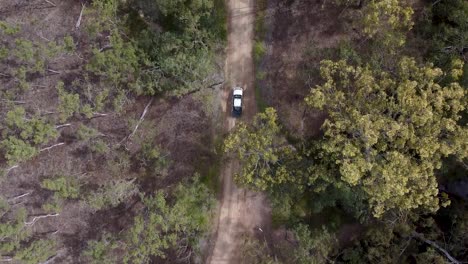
[23, 135]
[254, 252]
[63, 187]
[314, 247]
[69, 103]
[98, 251]
[112, 194]
[150, 234]
[16, 150]
[387, 132]
[12, 230]
[162, 226]
[152, 159]
[263, 151]
[446, 32]
[388, 21]
[118, 64]
[38, 251]
[33, 130]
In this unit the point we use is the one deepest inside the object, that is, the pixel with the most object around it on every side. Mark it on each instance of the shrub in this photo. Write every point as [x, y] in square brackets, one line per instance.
[63, 187]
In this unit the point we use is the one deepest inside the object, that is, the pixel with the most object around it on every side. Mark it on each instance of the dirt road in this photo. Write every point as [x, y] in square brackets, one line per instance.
[242, 212]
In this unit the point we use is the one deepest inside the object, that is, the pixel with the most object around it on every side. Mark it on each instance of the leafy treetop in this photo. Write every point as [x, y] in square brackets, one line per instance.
[387, 132]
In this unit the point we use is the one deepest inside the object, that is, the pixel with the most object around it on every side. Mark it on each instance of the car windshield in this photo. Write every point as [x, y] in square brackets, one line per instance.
[237, 102]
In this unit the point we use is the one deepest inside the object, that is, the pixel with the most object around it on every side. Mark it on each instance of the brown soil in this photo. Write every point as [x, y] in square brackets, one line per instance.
[242, 212]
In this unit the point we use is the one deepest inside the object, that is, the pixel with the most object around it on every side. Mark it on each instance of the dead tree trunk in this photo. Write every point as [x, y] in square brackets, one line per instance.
[433, 244]
[142, 117]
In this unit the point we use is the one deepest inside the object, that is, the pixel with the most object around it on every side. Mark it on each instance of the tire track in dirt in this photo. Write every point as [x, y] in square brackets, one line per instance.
[242, 212]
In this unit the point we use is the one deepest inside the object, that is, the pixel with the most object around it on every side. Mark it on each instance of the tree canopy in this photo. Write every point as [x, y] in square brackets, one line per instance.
[387, 132]
[265, 153]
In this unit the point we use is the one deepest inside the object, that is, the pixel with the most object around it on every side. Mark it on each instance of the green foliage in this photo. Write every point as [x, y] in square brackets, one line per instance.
[86, 133]
[446, 32]
[69, 44]
[38, 251]
[17, 150]
[177, 63]
[148, 236]
[16, 237]
[281, 208]
[69, 103]
[255, 252]
[12, 231]
[387, 133]
[112, 194]
[53, 206]
[377, 245]
[98, 252]
[8, 29]
[259, 50]
[63, 187]
[387, 21]
[99, 147]
[314, 247]
[152, 159]
[183, 16]
[118, 64]
[23, 135]
[263, 151]
[162, 225]
[34, 130]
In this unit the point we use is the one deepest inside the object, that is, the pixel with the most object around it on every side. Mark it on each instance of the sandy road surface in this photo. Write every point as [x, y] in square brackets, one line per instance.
[242, 212]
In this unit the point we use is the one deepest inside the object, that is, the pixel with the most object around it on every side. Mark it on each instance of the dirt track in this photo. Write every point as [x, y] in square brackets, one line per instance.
[242, 212]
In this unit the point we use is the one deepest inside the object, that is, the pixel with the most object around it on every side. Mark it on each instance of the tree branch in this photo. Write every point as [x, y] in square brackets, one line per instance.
[50, 2]
[19, 196]
[78, 23]
[11, 168]
[429, 242]
[11, 101]
[40, 217]
[53, 71]
[64, 125]
[139, 121]
[53, 146]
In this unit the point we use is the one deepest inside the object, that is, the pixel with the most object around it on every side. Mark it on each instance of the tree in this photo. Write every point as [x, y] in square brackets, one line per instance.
[63, 187]
[162, 226]
[23, 135]
[16, 150]
[254, 251]
[12, 231]
[98, 251]
[387, 132]
[314, 247]
[112, 194]
[151, 232]
[37, 252]
[388, 21]
[446, 32]
[263, 151]
[152, 159]
[69, 103]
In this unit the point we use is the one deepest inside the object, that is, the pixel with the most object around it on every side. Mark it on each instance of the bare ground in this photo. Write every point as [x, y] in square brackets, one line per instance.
[297, 33]
[242, 212]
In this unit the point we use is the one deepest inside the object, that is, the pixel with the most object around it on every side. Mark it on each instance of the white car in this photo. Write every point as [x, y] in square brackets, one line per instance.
[237, 101]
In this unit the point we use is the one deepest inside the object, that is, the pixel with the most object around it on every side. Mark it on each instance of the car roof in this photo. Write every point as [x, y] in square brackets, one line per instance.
[237, 102]
[237, 91]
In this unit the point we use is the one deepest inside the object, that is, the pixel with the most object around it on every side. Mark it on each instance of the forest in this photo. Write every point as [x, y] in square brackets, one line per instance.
[113, 137]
